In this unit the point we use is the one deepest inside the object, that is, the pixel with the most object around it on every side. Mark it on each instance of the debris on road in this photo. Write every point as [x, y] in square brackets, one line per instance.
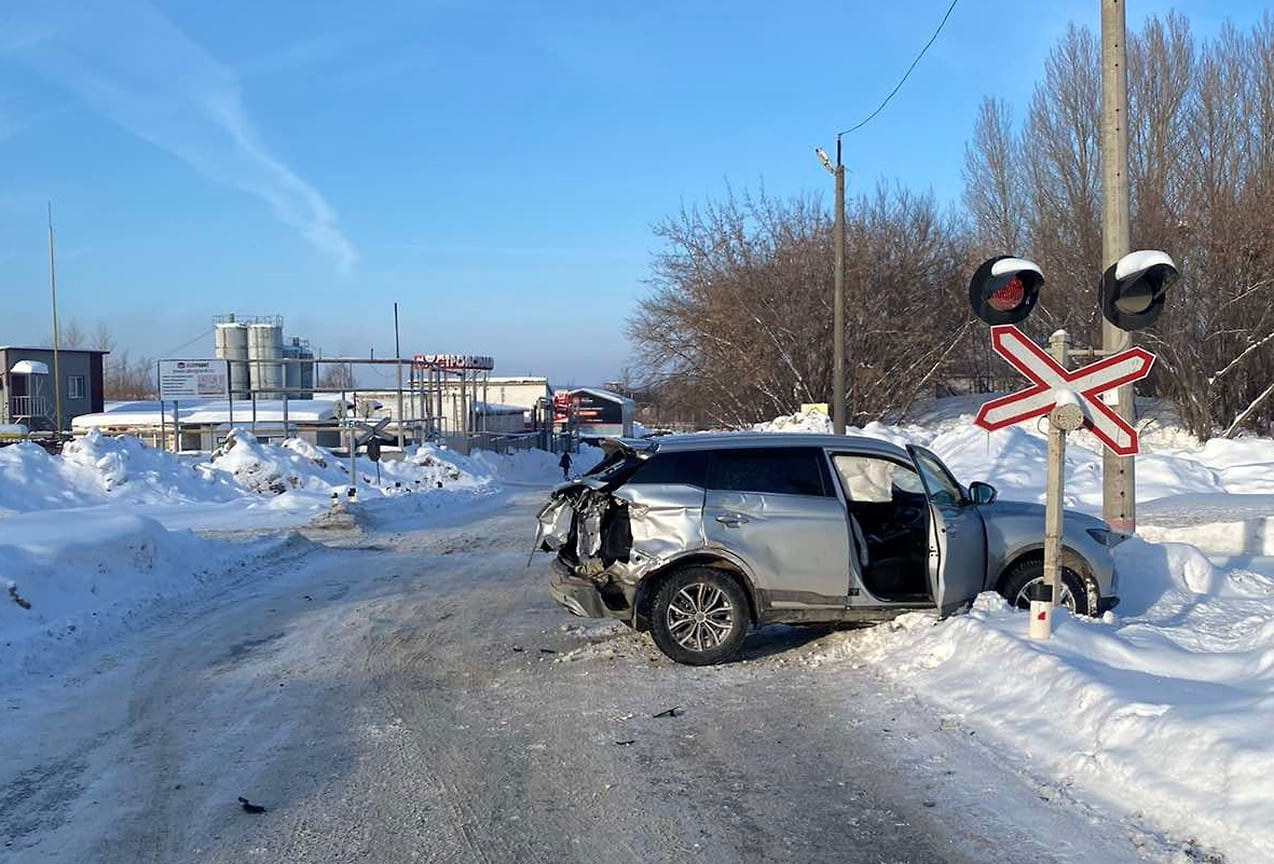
[249, 807]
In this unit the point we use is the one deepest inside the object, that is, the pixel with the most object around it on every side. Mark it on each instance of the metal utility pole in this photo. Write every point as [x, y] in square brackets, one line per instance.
[57, 372]
[838, 291]
[398, 357]
[1119, 479]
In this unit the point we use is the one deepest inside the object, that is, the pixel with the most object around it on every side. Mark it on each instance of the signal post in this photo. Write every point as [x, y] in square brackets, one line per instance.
[1002, 292]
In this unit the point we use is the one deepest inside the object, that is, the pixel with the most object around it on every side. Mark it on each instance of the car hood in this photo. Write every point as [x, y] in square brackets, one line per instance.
[1007, 509]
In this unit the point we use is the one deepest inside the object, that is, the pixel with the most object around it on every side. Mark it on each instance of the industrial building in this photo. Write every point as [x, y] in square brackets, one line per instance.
[29, 395]
[491, 404]
[261, 364]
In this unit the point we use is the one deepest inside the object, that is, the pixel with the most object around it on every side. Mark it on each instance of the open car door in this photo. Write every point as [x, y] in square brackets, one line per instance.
[957, 536]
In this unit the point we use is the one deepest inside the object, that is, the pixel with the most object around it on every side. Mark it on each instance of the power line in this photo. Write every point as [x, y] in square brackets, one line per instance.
[906, 75]
[172, 351]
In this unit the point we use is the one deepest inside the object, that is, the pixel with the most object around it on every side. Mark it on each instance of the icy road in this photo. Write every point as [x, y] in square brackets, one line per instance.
[403, 694]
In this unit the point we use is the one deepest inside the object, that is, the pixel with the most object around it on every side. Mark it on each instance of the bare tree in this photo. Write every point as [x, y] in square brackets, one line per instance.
[993, 191]
[1201, 146]
[127, 380]
[70, 334]
[102, 338]
[336, 376]
[737, 327]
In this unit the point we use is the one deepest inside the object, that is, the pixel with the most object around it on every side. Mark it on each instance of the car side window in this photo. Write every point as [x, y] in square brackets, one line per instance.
[874, 480]
[783, 470]
[943, 490]
[686, 467]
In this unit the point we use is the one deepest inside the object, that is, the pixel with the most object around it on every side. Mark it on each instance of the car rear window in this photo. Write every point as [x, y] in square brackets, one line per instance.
[685, 467]
[785, 470]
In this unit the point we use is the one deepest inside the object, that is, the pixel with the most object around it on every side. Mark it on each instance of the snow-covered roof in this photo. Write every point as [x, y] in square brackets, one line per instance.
[497, 408]
[604, 394]
[61, 348]
[30, 367]
[212, 412]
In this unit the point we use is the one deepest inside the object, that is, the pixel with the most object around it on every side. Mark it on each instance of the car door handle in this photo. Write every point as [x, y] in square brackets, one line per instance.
[731, 519]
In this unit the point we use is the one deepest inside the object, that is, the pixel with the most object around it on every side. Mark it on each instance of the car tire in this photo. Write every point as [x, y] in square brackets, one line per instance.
[1076, 595]
[699, 616]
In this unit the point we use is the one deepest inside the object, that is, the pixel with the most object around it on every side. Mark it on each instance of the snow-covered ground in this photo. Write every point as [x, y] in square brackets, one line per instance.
[101, 538]
[1161, 708]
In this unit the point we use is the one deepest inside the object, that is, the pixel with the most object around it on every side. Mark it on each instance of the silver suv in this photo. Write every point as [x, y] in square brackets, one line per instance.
[696, 538]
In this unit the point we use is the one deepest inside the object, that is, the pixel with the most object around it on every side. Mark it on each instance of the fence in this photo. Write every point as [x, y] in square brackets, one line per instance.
[497, 442]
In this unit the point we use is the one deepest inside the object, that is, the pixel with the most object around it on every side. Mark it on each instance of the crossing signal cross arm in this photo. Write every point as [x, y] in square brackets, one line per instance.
[1051, 385]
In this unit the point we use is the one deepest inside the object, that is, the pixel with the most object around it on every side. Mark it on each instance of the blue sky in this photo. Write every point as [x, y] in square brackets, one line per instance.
[494, 167]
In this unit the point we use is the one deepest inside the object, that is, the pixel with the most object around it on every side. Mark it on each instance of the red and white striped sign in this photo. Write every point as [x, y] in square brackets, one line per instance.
[1088, 381]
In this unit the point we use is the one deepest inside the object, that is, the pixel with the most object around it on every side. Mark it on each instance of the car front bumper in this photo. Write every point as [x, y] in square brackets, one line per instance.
[579, 595]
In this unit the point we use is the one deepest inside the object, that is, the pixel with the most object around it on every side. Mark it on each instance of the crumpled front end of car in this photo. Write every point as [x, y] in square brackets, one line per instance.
[608, 540]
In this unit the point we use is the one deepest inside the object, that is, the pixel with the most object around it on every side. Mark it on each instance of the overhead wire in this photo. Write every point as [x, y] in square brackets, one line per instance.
[172, 351]
[905, 76]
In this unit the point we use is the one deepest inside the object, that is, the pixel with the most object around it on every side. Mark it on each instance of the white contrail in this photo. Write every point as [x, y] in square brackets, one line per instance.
[127, 61]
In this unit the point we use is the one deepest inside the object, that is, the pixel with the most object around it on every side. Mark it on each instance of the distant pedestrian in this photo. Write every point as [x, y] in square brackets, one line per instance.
[565, 464]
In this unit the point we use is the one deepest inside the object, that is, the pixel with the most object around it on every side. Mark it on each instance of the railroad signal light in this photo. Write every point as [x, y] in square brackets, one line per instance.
[1004, 289]
[1134, 288]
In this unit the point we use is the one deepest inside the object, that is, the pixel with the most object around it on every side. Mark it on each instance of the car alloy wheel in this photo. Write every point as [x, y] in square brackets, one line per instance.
[699, 616]
[1020, 583]
[1024, 594]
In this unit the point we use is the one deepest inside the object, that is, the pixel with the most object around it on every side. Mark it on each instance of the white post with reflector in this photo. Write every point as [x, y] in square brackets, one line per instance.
[1067, 415]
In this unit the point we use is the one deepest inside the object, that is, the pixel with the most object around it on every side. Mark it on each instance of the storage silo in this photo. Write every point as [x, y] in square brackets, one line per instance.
[265, 355]
[230, 339]
[298, 373]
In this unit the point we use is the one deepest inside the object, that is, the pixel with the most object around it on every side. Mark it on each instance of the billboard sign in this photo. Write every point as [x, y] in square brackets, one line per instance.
[591, 409]
[194, 379]
[456, 362]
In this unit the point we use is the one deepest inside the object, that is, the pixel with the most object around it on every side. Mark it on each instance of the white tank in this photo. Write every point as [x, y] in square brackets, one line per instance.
[231, 343]
[265, 353]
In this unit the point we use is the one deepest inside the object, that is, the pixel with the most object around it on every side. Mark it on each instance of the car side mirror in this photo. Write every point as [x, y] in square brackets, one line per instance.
[981, 493]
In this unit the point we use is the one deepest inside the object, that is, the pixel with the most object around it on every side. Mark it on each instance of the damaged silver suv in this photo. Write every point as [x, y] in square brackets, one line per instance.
[697, 538]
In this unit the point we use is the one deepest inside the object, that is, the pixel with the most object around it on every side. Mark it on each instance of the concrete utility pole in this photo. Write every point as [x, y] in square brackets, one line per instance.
[838, 302]
[1119, 479]
[838, 291]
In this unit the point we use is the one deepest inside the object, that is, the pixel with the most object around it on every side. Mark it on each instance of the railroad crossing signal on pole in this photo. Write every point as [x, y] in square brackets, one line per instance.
[1051, 381]
[366, 431]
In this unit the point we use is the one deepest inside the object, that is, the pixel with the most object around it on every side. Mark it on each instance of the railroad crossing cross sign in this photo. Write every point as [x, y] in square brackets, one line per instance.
[366, 431]
[1088, 381]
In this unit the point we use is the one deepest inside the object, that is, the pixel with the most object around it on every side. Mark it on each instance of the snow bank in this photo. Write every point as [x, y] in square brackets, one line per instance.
[97, 469]
[1164, 710]
[84, 550]
[297, 465]
[66, 583]
[1172, 462]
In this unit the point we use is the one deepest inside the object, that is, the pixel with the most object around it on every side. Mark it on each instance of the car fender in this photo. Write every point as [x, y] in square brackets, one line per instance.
[706, 556]
[1070, 558]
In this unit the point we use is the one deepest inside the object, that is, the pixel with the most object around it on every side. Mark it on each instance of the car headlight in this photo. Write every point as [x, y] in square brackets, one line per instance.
[1106, 537]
